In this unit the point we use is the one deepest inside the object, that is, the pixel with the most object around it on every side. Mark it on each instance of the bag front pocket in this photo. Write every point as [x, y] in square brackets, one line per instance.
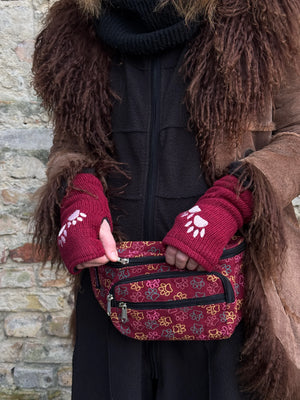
[167, 290]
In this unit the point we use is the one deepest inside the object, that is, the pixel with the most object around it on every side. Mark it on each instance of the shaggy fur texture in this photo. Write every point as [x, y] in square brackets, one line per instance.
[233, 68]
[193, 9]
[71, 75]
[190, 10]
[264, 369]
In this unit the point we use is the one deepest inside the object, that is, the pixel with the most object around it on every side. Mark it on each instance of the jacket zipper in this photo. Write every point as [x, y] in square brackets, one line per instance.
[149, 208]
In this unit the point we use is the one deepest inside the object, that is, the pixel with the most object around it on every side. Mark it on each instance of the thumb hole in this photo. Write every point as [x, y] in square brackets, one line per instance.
[108, 241]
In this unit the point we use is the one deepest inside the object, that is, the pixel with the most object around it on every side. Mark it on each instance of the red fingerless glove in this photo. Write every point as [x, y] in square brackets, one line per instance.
[203, 231]
[82, 212]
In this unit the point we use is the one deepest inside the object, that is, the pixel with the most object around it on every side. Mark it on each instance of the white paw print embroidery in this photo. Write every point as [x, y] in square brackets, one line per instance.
[76, 216]
[196, 225]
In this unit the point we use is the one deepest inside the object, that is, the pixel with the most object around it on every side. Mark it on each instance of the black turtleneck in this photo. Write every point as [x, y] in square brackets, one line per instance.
[136, 27]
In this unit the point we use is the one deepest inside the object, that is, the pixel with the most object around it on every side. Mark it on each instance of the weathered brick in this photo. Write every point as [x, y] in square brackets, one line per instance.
[29, 377]
[13, 277]
[24, 50]
[10, 350]
[13, 230]
[35, 139]
[10, 196]
[57, 326]
[23, 325]
[8, 225]
[22, 115]
[22, 167]
[14, 197]
[4, 252]
[20, 300]
[17, 394]
[50, 277]
[25, 254]
[64, 375]
[59, 394]
[6, 378]
[55, 352]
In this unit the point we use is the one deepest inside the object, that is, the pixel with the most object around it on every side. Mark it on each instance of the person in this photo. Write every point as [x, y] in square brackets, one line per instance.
[159, 106]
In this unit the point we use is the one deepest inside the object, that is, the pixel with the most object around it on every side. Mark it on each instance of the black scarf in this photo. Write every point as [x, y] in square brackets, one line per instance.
[134, 26]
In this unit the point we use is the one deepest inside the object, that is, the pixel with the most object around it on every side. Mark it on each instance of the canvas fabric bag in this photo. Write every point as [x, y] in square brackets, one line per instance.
[147, 299]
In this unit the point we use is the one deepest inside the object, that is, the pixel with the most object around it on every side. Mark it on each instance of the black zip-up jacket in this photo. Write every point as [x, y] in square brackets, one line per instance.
[151, 138]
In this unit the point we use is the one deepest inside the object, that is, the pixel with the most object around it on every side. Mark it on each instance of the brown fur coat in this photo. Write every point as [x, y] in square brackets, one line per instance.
[239, 67]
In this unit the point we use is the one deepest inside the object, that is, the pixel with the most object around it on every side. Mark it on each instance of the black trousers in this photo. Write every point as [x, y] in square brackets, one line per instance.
[110, 366]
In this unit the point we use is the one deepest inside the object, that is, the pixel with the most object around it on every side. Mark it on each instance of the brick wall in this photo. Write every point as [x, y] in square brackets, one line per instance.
[35, 303]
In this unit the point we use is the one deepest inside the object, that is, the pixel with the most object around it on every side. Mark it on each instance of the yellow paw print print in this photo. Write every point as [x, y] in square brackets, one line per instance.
[165, 289]
[137, 286]
[165, 321]
[180, 296]
[179, 328]
[140, 336]
[214, 334]
[212, 278]
[213, 309]
[137, 315]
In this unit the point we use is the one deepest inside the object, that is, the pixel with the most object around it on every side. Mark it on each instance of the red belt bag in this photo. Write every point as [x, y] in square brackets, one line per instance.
[147, 299]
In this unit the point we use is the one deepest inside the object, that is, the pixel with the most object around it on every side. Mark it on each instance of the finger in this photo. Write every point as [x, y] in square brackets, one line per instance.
[191, 264]
[93, 263]
[108, 241]
[170, 255]
[181, 260]
[200, 268]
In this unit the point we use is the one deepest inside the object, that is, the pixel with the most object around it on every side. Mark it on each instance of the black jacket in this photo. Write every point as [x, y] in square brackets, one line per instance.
[151, 138]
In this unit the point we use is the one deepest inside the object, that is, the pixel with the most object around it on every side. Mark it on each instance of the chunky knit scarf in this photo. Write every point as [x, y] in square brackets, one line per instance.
[137, 27]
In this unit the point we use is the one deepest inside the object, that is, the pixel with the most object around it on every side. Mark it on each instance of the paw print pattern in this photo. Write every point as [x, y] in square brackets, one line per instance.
[76, 216]
[195, 224]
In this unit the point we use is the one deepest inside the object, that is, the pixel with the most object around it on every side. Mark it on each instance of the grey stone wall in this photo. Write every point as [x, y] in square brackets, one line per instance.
[35, 302]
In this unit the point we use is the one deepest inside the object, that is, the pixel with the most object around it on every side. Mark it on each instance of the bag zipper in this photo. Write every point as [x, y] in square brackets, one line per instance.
[148, 305]
[228, 290]
[130, 262]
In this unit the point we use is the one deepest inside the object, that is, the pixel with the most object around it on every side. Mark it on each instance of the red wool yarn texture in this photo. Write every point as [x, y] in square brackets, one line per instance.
[83, 210]
[203, 231]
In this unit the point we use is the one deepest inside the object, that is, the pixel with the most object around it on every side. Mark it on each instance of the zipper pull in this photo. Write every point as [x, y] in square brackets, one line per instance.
[123, 261]
[124, 317]
[109, 299]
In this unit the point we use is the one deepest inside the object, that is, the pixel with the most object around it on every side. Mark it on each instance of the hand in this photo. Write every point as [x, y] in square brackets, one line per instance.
[180, 260]
[109, 246]
[85, 218]
[203, 231]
